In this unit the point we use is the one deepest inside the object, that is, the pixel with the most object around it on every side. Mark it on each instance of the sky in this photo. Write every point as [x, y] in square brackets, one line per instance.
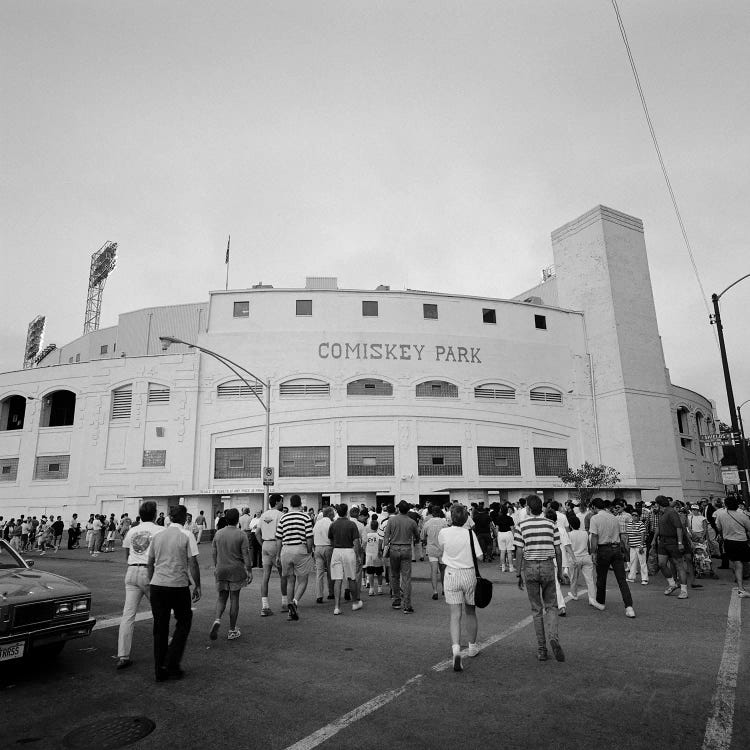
[423, 144]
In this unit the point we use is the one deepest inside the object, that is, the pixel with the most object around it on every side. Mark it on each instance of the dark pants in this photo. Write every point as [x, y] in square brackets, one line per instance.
[256, 551]
[607, 555]
[539, 577]
[164, 600]
[401, 572]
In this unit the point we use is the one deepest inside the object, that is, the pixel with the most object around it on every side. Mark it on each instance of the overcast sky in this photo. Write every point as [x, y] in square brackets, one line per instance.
[424, 144]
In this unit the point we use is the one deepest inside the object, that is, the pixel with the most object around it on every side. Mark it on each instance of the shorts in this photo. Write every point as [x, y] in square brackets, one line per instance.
[374, 570]
[505, 541]
[343, 564]
[459, 584]
[737, 551]
[295, 559]
[230, 585]
[269, 553]
[668, 548]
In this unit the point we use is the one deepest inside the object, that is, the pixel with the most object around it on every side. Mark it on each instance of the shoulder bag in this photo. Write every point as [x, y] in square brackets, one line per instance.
[483, 588]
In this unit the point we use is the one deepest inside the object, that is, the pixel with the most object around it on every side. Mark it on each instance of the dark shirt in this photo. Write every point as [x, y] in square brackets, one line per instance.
[504, 523]
[343, 533]
[481, 522]
[58, 527]
[401, 530]
[669, 522]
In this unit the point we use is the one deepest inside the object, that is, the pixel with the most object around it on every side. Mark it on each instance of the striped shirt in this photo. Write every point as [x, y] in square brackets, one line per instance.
[636, 532]
[294, 528]
[537, 536]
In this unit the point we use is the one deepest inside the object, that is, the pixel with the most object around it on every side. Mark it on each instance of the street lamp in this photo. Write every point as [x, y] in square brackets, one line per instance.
[742, 436]
[167, 341]
[716, 318]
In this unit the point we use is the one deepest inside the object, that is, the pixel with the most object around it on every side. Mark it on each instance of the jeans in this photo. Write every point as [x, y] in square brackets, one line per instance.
[164, 600]
[607, 555]
[400, 557]
[323, 570]
[586, 567]
[136, 587]
[539, 576]
[638, 560]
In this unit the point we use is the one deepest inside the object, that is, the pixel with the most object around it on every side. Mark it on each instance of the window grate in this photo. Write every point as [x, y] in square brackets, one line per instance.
[8, 469]
[51, 467]
[369, 387]
[370, 461]
[158, 394]
[495, 391]
[550, 462]
[305, 461]
[488, 315]
[122, 401]
[303, 307]
[430, 311]
[154, 458]
[236, 463]
[436, 389]
[238, 389]
[369, 309]
[439, 460]
[547, 395]
[241, 309]
[305, 389]
[498, 461]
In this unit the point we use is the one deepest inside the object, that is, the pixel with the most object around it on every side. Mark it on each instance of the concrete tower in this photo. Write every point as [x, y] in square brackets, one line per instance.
[602, 269]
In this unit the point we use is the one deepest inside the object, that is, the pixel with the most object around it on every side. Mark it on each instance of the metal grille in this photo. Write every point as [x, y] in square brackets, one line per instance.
[8, 469]
[154, 458]
[430, 311]
[122, 401]
[546, 394]
[437, 389]
[369, 308]
[235, 463]
[305, 461]
[304, 307]
[30, 614]
[158, 394]
[238, 389]
[369, 387]
[495, 391]
[498, 462]
[550, 462]
[305, 389]
[51, 467]
[439, 460]
[241, 310]
[370, 461]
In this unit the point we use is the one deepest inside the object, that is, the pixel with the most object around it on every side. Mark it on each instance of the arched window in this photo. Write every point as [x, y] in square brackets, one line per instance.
[546, 395]
[495, 391]
[369, 387]
[12, 413]
[158, 394]
[58, 409]
[238, 389]
[304, 387]
[436, 389]
[683, 427]
[122, 402]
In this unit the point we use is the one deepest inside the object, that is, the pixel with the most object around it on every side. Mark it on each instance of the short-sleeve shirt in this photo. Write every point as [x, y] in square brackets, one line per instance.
[294, 528]
[169, 552]
[231, 551]
[343, 532]
[138, 540]
[669, 522]
[268, 522]
[320, 532]
[538, 536]
[606, 527]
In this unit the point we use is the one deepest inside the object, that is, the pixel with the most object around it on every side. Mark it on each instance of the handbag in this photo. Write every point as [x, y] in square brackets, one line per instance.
[483, 587]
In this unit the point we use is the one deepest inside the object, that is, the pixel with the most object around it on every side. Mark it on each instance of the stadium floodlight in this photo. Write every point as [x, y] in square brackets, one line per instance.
[103, 262]
[34, 338]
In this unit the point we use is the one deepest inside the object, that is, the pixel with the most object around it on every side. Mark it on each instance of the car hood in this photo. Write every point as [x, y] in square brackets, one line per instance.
[30, 585]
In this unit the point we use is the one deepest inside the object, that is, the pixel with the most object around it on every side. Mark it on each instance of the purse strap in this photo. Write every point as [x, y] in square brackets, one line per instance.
[473, 553]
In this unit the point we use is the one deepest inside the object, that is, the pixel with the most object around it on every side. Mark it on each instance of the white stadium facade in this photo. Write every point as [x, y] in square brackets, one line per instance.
[375, 396]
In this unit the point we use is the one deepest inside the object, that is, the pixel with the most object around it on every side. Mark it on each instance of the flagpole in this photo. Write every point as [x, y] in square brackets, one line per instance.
[226, 261]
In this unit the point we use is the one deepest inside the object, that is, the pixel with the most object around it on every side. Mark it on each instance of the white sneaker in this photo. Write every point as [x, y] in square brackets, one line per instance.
[336, 611]
[595, 604]
[357, 605]
[473, 650]
[644, 583]
[629, 612]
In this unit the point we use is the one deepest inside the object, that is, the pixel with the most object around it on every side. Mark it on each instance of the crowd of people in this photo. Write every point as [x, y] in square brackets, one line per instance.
[355, 552]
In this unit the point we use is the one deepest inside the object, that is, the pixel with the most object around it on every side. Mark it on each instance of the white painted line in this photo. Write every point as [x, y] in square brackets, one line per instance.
[719, 726]
[111, 622]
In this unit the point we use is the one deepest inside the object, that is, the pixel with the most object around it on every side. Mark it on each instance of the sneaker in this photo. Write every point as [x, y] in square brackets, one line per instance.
[557, 649]
[372, 593]
[233, 634]
[644, 583]
[214, 632]
[123, 663]
[458, 665]
[542, 654]
[336, 611]
[396, 604]
[670, 589]
[629, 612]
[266, 612]
[561, 612]
[408, 610]
[682, 595]
[292, 612]
[357, 605]
[473, 650]
[595, 604]
[435, 596]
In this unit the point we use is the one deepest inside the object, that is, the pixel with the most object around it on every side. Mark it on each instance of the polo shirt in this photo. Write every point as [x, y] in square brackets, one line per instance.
[606, 527]
[401, 530]
[343, 532]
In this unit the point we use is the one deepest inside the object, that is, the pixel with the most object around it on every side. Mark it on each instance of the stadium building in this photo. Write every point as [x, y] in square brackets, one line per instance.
[375, 395]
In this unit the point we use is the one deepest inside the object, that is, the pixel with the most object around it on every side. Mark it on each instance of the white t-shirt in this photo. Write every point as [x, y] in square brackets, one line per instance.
[245, 521]
[454, 541]
[138, 540]
[320, 532]
[268, 522]
[579, 541]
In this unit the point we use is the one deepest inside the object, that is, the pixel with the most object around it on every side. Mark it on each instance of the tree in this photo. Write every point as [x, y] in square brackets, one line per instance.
[588, 478]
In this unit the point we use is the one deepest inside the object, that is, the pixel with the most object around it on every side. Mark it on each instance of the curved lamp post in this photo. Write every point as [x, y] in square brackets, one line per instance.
[716, 319]
[167, 341]
[742, 436]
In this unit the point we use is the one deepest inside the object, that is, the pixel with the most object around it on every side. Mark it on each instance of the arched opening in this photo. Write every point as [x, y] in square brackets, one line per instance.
[58, 409]
[12, 413]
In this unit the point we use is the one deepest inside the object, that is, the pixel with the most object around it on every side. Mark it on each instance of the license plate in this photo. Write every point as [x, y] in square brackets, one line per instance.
[12, 651]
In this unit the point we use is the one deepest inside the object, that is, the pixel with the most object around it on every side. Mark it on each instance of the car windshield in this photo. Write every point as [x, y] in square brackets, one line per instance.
[8, 557]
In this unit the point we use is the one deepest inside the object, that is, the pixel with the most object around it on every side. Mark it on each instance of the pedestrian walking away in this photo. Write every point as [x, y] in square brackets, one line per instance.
[400, 533]
[294, 531]
[345, 540]
[266, 535]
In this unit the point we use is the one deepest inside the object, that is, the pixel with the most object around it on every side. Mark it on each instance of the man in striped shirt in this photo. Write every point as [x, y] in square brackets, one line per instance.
[294, 530]
[537, 543]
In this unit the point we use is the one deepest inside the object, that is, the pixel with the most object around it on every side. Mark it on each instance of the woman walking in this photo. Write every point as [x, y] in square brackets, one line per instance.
[430, 532]
[455, 544]
[505, 539]
[734, 527]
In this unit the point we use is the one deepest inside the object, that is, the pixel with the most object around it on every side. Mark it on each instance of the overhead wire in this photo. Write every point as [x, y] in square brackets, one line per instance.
[650, 124]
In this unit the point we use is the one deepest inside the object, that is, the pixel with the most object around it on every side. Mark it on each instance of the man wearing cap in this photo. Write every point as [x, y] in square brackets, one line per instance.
[265, 533]
[400, 533]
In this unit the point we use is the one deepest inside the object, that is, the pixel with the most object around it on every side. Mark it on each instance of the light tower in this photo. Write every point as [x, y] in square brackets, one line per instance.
[34, 338]
[102, 264]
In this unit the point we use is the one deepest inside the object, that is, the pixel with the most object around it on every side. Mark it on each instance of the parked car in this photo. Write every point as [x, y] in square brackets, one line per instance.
[39, 611]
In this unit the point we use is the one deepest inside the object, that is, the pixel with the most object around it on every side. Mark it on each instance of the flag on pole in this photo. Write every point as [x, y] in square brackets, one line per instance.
[228, 241]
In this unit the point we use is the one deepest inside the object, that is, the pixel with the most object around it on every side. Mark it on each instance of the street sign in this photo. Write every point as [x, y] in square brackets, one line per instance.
[730, 475]
[710, 436]
[268, 476]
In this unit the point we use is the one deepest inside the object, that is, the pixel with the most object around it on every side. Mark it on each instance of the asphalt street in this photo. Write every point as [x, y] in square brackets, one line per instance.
[379, 678]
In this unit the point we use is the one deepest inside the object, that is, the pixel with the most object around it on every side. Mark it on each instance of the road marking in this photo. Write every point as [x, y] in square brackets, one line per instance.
[105, 621]
[328, 731]
[719, 726]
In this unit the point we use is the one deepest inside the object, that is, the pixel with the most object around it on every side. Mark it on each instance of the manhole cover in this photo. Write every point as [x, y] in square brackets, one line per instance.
[116, 731]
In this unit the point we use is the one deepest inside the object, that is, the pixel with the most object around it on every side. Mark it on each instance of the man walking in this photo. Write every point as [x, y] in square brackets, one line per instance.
[136, 545]
[670, 547]
[172, 559]
[609, 545]
[294, 531]
[400, 533]
[266, 536]
[201, 524]
[537, 543]
[233, 571]
[322, 552]
[345, 538]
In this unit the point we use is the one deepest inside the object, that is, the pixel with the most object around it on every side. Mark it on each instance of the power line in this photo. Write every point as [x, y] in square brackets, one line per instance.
[658, 153]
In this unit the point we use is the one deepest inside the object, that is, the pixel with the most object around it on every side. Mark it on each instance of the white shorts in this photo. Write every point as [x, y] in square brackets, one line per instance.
[459, 584]
[505, 541]
[343, 564]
